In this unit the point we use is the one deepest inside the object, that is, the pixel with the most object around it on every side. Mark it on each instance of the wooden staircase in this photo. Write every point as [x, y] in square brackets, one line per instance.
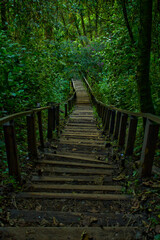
[72, 195]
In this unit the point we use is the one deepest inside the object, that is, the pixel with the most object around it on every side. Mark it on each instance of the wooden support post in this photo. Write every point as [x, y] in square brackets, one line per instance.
[117, 124]
[112, 122]
[104, 115]
[53, 118]
[98, 108]
[106, 126]
[11, 150]
[39, 115]
[102, 112]
[66, 113]
[148, 149]
[122, 130]
[57, 116]
[131, 135]
[31, 135]
[50, 123]
[69, 105]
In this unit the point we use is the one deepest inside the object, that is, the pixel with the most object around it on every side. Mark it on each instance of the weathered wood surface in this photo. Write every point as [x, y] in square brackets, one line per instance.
[71, 233]
[76, 170]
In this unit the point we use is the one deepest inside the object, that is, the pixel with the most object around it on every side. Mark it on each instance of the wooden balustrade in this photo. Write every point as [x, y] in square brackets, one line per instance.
[31, 117]
[115, 122]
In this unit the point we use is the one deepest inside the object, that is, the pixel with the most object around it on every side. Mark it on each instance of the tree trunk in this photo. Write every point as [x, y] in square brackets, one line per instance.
[123, 2]
[144, 47]
[3, 15]
[83, 25]
[90, 26]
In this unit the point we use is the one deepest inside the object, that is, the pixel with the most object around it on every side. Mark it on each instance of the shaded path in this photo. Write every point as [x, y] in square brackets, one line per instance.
[72, 188]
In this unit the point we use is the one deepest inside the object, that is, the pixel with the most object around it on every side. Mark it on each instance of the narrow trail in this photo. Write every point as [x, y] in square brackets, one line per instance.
[73, 195]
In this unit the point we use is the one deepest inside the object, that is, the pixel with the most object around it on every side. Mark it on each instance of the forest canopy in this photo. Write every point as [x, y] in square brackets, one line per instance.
[115, 43]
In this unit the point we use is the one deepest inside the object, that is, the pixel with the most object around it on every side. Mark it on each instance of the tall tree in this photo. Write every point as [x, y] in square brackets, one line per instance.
[144, 47]
[3, 15]
[123, 3]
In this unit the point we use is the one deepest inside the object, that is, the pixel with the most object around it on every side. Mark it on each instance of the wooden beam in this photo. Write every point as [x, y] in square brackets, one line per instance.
[31, 137]
[131, 135]
[11, 149]
[148, 149]
[47, 195]
[85, 165]
[76, 187]
[122, 130]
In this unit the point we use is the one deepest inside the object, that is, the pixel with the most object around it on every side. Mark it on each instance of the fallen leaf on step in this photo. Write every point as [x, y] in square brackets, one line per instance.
[74, 149]
[44, 223]
[85, 236]
[55, 222]
[38, 208]
[120, 177]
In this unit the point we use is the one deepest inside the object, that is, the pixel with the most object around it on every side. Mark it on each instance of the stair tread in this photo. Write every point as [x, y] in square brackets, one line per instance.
[76, 170]
[76, 164]
[87, 196]
[76, 187]
[96, 179]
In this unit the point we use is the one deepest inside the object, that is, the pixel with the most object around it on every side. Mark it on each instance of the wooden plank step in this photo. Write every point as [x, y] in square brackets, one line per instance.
[95, 135]
[77, 140]
[88, 125]
[76, 171]
[82, 116]
[87, 165]
[86, 130]
[83, 155]
[71, 233]
[67, 218]
[74, 157]
[75, 187]
[70, 142]
[85, 196]
[96, 179]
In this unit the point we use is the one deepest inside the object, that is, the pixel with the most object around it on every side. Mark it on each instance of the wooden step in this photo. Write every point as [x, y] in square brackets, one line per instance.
[86, 141]
[79, 143]
[76, 218]
[85, 165]
[92, 179]
[73, 157]
[71, 233]
[75, 187]
[88, 125]
[75, 170]
[83, 134]
[85, 196]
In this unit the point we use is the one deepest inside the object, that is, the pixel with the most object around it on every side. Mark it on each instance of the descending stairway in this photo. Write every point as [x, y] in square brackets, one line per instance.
[73, 195]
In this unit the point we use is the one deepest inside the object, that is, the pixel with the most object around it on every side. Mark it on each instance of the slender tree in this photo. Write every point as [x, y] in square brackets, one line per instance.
[144, 47]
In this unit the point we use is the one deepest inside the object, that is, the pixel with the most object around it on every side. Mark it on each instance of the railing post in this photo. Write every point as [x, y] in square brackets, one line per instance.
[148, 149]
[104, 115]
[117, 124]
[11, 150]
[53, 118]
[122, 130]
[66, 113]
[40, 127]
[112, 122]
[131, 135]
[31, 135]
[106, 126]
[57, 117]
[50, 123]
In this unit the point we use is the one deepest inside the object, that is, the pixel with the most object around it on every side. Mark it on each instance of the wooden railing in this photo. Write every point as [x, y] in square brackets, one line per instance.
[115, 122]
[53, 120]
